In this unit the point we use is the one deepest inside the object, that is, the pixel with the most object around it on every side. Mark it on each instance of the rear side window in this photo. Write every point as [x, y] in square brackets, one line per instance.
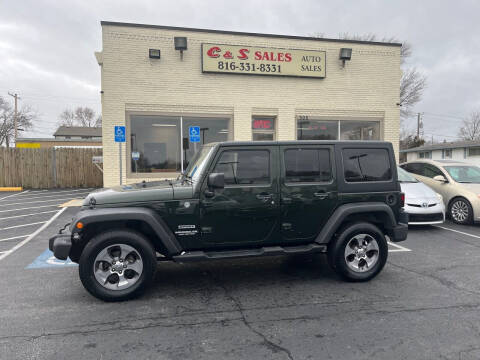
[307, 165]
[244, 166]
[415, 168]
[361, 165]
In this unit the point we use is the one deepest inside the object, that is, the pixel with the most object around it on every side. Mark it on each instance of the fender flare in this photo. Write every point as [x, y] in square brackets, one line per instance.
[339, 215]
[148, 216]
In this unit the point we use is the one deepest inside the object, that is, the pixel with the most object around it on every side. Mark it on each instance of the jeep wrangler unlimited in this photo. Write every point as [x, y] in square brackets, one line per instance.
[242, 199]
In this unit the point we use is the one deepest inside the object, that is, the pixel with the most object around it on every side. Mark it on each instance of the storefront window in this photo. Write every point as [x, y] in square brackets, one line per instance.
[156, 140]
[316, 129]
[312, 129]
[263, 128]
[359, 130]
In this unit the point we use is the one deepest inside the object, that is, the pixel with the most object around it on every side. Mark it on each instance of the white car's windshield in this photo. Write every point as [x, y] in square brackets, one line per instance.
[464, 174]
[197, 163]
[405, 177]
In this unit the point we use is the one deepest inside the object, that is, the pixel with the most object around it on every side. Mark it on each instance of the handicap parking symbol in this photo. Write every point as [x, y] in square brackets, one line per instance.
[47, 260]
[194, 132]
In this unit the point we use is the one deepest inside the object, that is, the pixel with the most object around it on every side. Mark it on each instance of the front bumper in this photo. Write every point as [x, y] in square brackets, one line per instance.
[400, 231]
[426, 216]
[60, 245]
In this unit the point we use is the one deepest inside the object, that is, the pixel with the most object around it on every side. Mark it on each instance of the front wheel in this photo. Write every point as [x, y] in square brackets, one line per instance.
[117, 265]
[461, 211]
[359, 252]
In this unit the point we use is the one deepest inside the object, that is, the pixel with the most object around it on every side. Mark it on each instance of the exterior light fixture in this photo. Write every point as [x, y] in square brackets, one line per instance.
[345, 55]
[154, 53]
[180, 44]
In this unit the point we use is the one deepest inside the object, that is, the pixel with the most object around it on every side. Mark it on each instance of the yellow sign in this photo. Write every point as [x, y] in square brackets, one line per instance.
[28, 145]
[220, 58]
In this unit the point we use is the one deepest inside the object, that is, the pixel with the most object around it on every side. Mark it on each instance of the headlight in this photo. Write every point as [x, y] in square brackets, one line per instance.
[439, 197]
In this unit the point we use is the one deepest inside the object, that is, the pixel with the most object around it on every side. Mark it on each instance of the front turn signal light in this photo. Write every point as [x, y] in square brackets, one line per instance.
[79, 225]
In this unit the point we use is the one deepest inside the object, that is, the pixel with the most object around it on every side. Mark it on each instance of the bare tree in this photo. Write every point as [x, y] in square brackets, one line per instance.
[470, 129]
[412, 83]
[81, 116]
[25, 118]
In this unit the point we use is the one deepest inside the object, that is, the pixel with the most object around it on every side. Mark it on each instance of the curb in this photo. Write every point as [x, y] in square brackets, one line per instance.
[11, 188]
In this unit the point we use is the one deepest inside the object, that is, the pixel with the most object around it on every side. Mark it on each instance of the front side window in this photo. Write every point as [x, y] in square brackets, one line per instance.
[431, 171]
[307, 165]
[361, 165]
[244, 167]
[159, 147]
[263, 128]
[415, 168]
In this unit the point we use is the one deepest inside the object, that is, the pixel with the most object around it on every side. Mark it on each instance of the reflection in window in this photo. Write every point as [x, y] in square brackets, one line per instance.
[359, 130]
[157, 140]
[244, 166]
[307, 165]
[366, 165]
[317, 130]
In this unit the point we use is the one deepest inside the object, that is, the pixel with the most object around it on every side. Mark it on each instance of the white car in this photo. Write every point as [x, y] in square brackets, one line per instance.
[423, 205]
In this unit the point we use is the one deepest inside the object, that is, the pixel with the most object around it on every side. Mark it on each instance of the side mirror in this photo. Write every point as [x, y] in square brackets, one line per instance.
[216, 181]
[440, 178]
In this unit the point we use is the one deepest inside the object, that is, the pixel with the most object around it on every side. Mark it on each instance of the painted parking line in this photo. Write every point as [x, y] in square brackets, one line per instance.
[52, 196]
[17, 216]
[15, 237]
[13, 195]
[39, 192]
[399, 248]
[457, 231]
[29, 208]
[4, 252]
[47, 260]
[31, 236]
[23, 225]
[60, 201]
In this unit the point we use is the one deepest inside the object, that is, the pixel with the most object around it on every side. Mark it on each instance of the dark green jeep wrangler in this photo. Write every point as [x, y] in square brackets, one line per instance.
[243, 199]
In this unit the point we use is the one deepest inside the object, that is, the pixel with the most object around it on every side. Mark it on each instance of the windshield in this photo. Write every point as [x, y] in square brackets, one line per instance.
[405, 177]
[464, 174]
[197, 163]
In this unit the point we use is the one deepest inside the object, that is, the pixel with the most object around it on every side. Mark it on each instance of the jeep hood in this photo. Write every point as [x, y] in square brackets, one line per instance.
[140, 193]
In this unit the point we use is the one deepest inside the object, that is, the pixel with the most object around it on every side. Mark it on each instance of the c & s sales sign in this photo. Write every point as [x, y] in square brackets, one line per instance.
[239, 59]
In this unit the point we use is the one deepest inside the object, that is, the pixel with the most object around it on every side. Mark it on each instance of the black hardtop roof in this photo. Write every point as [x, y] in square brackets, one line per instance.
[305, 142]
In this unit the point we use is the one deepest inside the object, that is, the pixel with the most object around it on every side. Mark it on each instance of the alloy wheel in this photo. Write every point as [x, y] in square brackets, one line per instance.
[459, 211]
[361, 252]
[118, 267]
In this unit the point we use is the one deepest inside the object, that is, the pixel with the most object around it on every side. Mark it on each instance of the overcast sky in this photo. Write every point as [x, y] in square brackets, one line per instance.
[46, 47]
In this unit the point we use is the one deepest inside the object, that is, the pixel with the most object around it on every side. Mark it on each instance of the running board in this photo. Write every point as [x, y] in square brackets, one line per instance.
[191, 256]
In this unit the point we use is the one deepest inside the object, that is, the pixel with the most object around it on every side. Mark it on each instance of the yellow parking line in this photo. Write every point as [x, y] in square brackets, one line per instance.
[11, 188]
[72, 203]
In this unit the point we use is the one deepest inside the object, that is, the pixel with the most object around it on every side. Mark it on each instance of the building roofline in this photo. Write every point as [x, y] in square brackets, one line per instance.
[441, 146]
[226, 32]
[58, 140]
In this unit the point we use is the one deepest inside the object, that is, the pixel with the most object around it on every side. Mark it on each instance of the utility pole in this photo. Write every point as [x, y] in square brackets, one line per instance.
[15, 123]
[418, 126]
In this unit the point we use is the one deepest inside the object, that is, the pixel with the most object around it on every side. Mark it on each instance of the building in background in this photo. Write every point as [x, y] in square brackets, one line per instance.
[465, 151]
[66, 136]
[161, 82]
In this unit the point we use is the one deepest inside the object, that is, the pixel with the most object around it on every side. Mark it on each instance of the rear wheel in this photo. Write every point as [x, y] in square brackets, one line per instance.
[359, 252]
[461, 211]
[117, 265]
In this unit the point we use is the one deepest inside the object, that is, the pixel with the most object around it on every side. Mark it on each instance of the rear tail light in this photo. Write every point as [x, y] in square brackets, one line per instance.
[402, 199]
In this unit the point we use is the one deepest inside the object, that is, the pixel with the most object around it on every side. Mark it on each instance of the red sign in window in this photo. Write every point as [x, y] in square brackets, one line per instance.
[263, 124]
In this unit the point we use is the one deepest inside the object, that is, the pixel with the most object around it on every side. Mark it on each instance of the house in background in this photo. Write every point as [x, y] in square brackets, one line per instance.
[66, 136]
[463, 151]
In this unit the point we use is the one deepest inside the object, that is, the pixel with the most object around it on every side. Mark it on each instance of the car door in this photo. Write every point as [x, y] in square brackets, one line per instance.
[246, 210]
[308, 190]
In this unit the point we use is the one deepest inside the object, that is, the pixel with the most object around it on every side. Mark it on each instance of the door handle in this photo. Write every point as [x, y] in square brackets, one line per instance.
[264, 197]
[321, 195]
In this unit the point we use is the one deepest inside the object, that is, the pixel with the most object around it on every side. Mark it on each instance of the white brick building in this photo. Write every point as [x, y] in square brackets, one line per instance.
[319, 96]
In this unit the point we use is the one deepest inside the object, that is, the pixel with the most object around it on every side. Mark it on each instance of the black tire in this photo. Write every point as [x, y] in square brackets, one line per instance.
[465, 204]
[336, 251]
[103, 240]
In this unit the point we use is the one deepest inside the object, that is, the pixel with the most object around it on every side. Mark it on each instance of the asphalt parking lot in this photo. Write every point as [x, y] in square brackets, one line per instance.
[424, 305]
